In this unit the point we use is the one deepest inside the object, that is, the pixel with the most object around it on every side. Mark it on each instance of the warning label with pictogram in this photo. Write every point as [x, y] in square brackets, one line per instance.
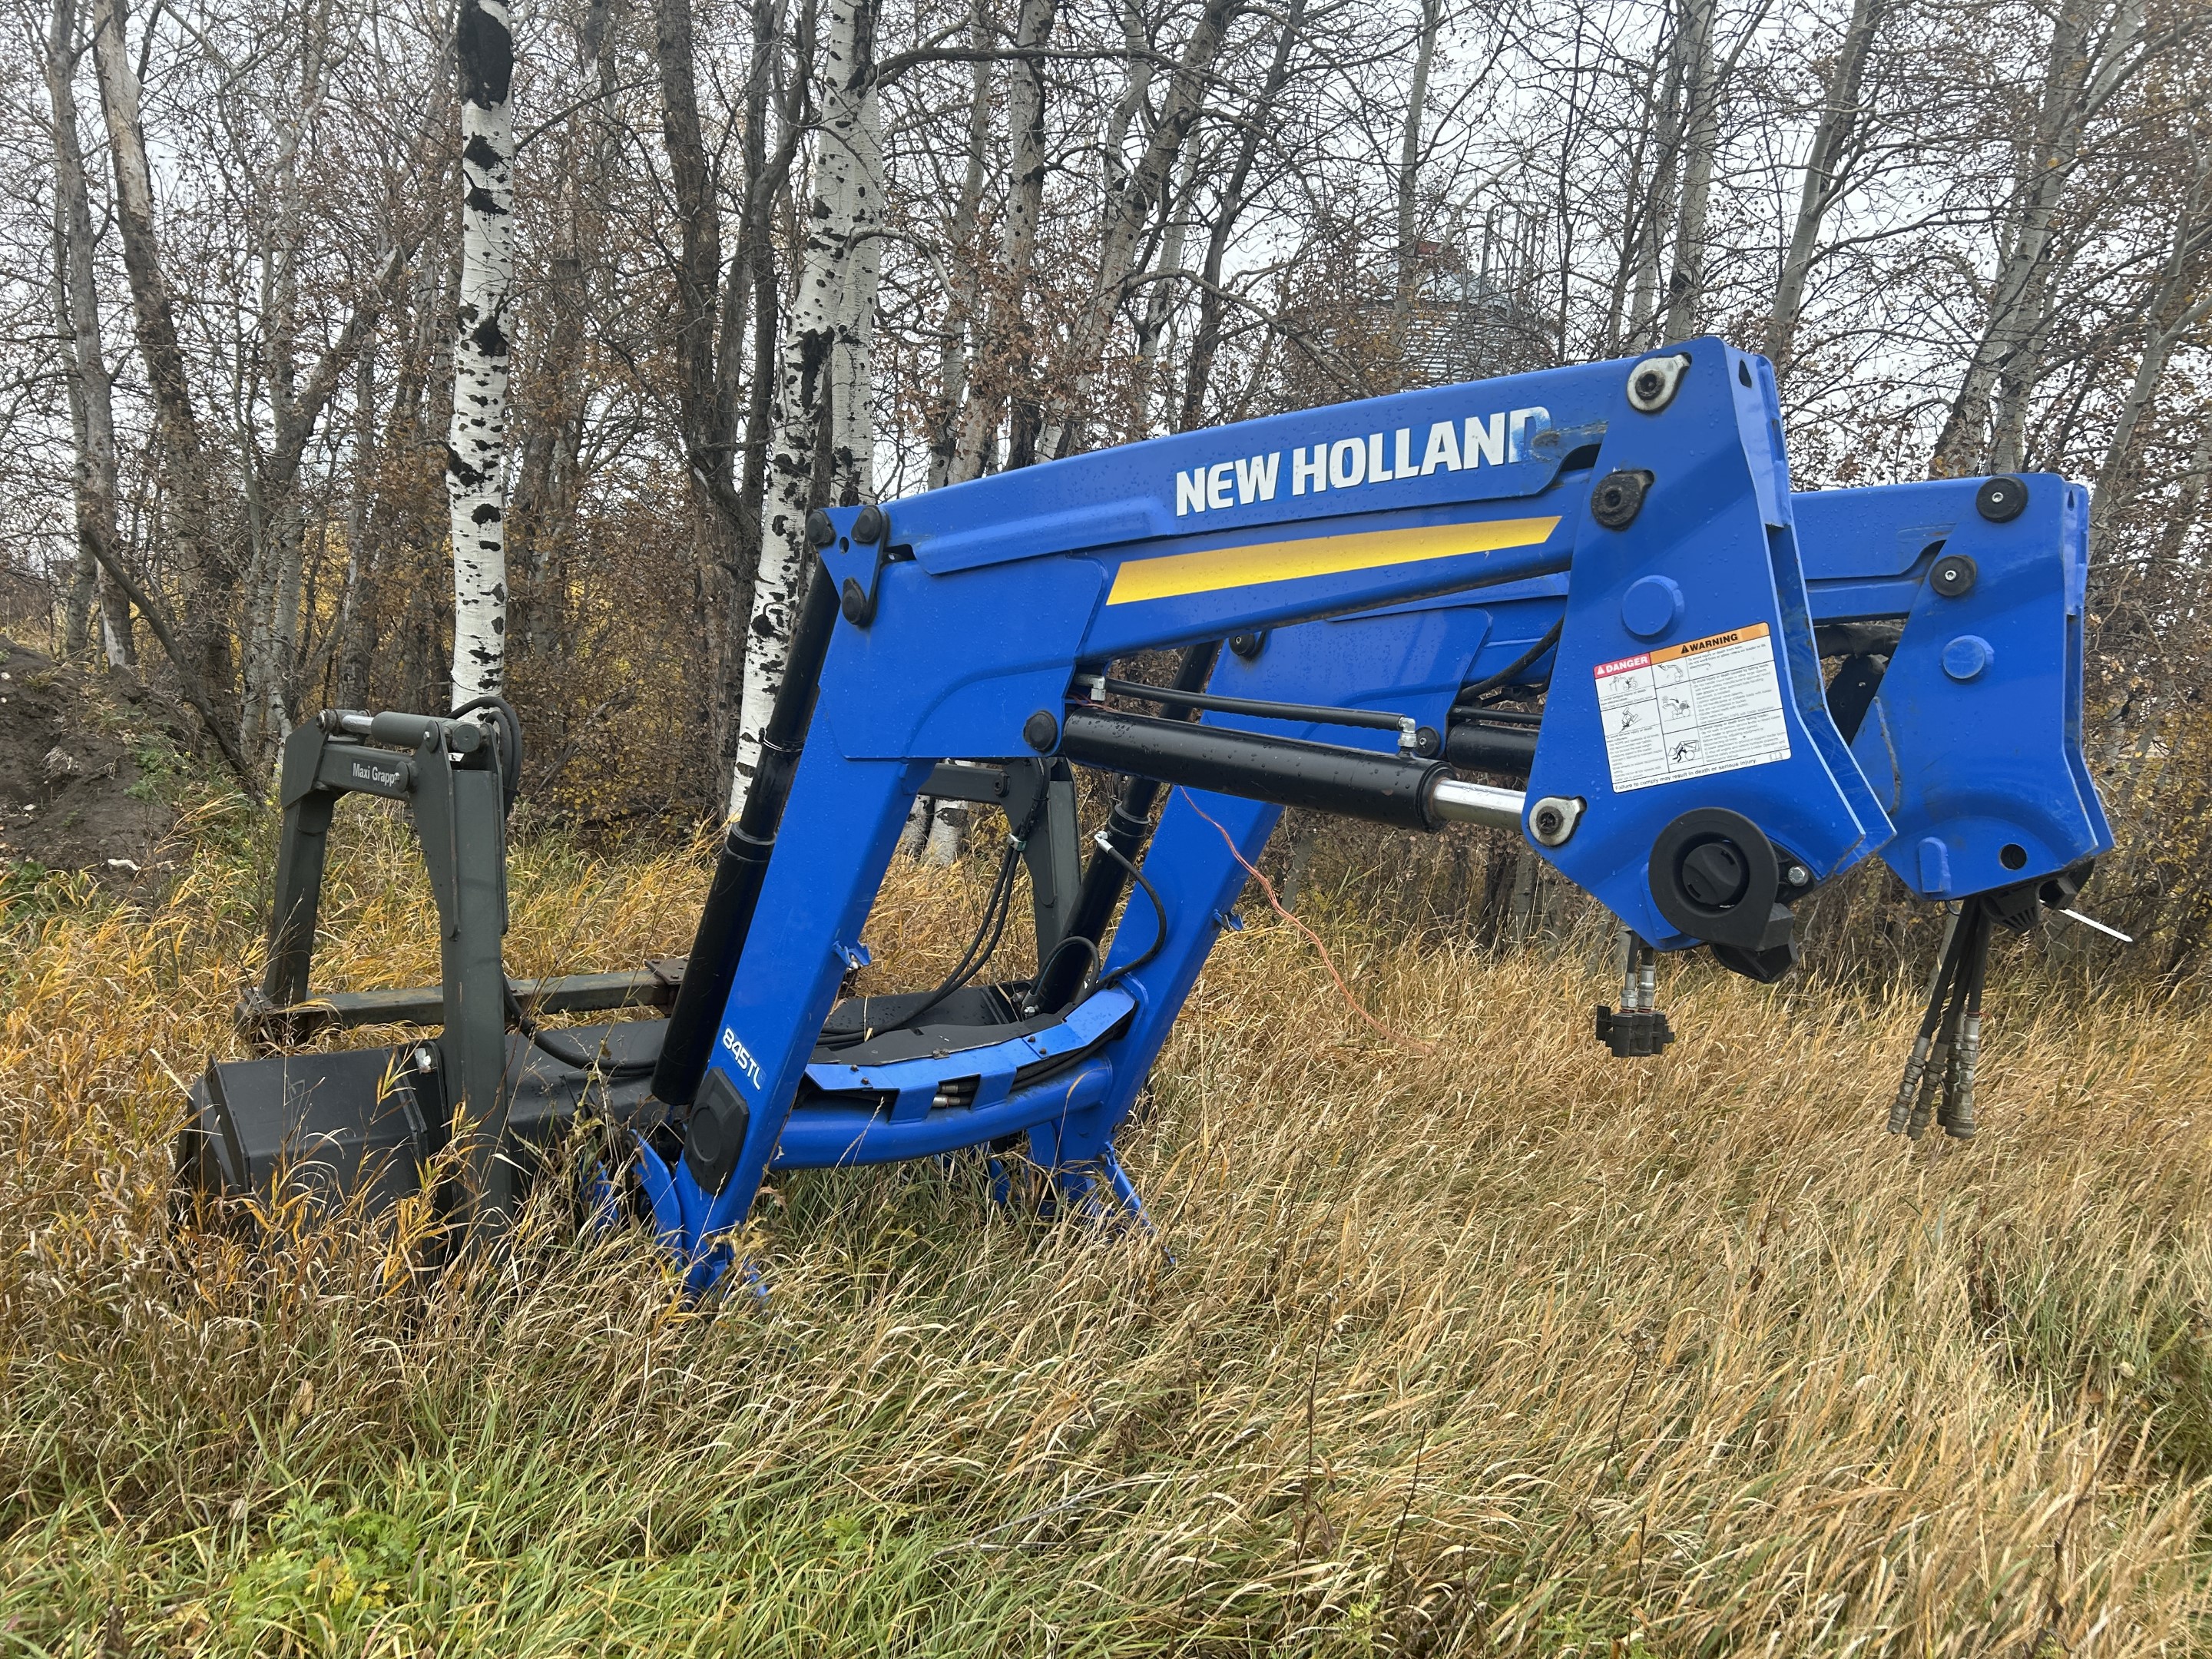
[1689, 710]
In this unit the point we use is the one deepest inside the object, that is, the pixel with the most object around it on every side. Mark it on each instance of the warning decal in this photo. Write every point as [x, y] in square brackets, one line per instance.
[1686, 711]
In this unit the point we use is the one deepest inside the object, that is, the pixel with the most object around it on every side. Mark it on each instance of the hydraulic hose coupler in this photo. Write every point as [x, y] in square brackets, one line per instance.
[1900, 1109]
[1958, 1098]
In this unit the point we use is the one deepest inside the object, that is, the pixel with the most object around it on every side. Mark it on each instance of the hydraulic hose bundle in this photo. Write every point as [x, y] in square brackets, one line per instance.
[1939, 1077]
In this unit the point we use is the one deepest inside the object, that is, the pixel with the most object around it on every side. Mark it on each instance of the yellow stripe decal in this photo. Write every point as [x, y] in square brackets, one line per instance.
[1177, 573]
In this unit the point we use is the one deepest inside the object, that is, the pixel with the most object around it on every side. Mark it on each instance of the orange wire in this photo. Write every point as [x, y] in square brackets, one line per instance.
[1326, 961]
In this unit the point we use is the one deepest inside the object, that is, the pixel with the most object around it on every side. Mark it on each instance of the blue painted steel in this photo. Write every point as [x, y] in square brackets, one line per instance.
[1717, 520]
[1983, 770]
[843, 1123]
[1445, 532]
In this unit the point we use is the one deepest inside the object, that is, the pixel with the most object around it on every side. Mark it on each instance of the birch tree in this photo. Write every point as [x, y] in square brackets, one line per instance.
[1842, 116]
[89, 385]
[1127, 209]
[2176, 308]
[1006, 325]
[1700, 143]
[1409, 168]
[820, 453]
[205, 659]
[2095, 48]
[476, 444]
[960, 302]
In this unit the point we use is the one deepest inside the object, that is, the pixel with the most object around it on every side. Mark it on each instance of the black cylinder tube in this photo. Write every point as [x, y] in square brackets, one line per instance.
[1353, 783]
[1106, 879]
[727, 915]
[1507, 749]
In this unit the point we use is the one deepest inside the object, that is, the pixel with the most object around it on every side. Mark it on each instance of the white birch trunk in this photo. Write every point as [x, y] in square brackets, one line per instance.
[84, 365]
[1659, 207]
[960, 307]
[476, 445]
[1686, 282]
[2164, 331]
[1409, 170]
[272, 586]
[825, 368]
[1156, 329]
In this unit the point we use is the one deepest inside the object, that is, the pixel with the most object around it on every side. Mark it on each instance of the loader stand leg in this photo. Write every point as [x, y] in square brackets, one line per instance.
[462, 828]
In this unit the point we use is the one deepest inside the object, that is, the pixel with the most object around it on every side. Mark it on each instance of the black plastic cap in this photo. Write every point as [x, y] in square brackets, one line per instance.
[2000, 500]
[820, 531]
[1954, 576]
[869, 528]
[1041, 730]
[1618, 497]
[714, 1139]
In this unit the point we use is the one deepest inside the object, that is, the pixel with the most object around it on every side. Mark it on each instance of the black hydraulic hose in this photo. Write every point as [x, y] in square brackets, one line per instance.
[569, 1054]
[1030, 1004]
[1104, 879]
[988, 932]
[1519, 665]
[1159, 916]
[727, 915]
[510, 747]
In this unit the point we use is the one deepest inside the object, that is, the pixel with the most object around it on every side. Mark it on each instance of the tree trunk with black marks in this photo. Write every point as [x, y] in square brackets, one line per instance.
[274, 577]
[2175, 310]
[1701, 132]
[1229, 206]
[1657, 210]
[476, 445]
[824, 446]
[2095, 51]
[1006, 328]
[1409, 171]
[960, 304]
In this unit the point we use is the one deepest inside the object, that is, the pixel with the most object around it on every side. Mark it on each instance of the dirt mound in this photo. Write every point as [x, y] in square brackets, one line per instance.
[85, 759]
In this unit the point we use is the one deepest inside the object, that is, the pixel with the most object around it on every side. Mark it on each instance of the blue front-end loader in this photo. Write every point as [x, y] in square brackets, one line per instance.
[1592, 586]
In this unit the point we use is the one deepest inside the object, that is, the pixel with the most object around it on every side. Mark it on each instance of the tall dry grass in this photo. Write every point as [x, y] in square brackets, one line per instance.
[1500, 1344]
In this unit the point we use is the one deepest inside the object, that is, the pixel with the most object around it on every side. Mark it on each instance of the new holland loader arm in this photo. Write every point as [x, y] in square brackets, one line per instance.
[1956, 609]
[971, 623]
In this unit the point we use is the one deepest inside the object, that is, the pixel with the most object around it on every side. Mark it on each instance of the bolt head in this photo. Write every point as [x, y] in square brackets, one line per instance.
[1548, 819]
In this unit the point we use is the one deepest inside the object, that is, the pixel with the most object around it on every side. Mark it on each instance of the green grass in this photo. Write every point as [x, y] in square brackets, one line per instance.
[1474, 1341]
